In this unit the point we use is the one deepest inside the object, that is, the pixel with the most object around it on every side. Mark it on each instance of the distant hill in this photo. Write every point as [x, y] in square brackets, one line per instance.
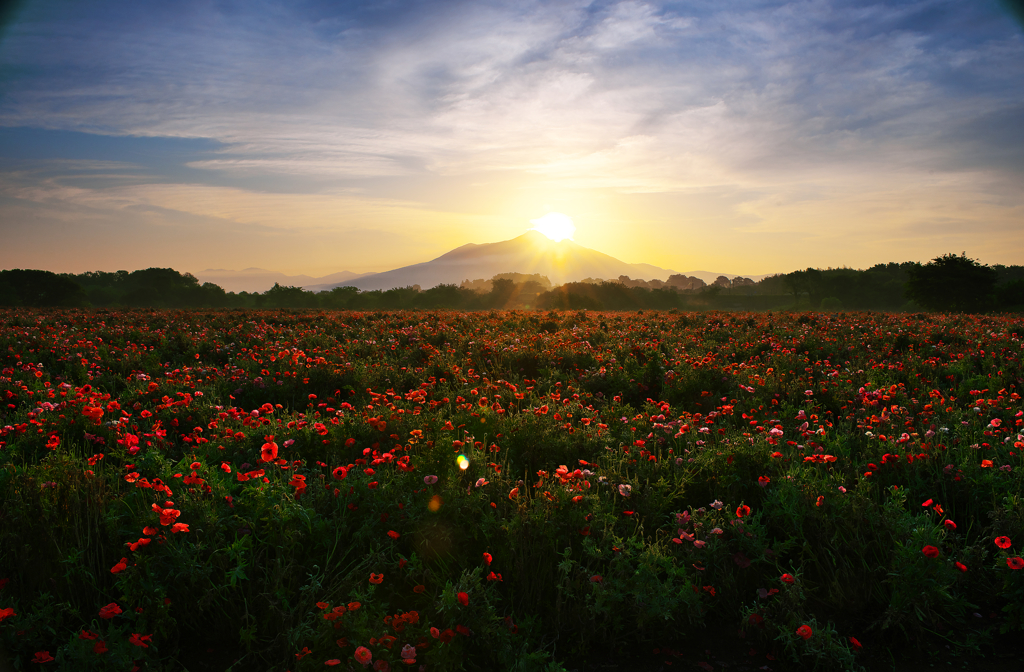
[260, 279]
[532, 252]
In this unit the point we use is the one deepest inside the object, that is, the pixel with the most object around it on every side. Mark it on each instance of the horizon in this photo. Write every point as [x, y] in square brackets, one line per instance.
[308, 139]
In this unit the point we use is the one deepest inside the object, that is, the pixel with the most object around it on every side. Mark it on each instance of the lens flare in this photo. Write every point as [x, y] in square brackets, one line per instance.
[463, 462]
[435, 503]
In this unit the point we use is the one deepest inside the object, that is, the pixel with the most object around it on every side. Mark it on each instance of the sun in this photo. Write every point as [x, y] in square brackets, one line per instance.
[555, 226]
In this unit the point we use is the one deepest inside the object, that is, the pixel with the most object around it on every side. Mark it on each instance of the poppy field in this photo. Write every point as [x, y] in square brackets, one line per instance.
[507, 490]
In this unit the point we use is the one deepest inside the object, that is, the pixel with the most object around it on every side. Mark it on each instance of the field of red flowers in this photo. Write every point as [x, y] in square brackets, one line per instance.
[506, 490]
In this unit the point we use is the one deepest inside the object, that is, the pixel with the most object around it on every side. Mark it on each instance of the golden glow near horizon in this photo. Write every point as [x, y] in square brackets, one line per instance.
[555, 225]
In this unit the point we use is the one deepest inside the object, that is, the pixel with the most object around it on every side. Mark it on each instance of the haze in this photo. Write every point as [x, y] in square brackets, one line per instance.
[314, 137]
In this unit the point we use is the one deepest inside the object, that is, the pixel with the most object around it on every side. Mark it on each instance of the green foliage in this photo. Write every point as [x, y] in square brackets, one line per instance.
[953, 284]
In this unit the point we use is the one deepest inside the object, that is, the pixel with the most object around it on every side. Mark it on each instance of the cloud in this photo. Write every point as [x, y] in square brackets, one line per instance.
[798, 101]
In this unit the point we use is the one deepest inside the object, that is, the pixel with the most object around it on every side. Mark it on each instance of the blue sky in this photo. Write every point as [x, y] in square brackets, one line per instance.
[312, 137]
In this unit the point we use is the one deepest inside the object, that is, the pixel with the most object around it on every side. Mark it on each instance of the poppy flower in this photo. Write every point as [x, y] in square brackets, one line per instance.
[435, 633]
[962, 567]
[930, 551]
[805, 632]
[463, 599]
[100, 647]
[742, 510]
[625, 490]
[6, 613]
[487, 558]
[375, 579]
[763, 481]
[393, 534]
[268, 453]
[949, 524]
[339, 473]
[430, 480]
[119, 567]
[363, 656]
[419, 589]
[140, 640]
[787, 578]
[447, 635]
[332, 662]
[1015, 563]
[42, 657]
[596, 578]
[110, 610]
[463, 630]
[408, 652]
[857, 646]
[1003, 542]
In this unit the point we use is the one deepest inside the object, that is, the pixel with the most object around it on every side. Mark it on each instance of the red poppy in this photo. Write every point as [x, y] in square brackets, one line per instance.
[42, 657]
[742, 510]
[119, 567]
[857, 646]
[110, 610]
[804, 631]
[1003, 542]
[787, 578]
[447, 635]
[339, 473]
[962, 567]
[419, 589]
[100, 647]
[596, 578]
[376, 578]
[494, 577]
[463, 630]
[1015, 563]
[269, 450]
[930, 551]
[332, 662]
[140, 640]
[393, 534]
[363, 656]
[487, 558]
[463, 599]
[6, 613]
[950, 525]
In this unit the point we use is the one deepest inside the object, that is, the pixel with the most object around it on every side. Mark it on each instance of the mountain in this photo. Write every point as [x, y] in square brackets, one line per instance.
[532, 252]
[260, 279]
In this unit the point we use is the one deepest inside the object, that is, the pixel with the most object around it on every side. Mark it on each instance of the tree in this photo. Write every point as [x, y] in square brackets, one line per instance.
[952, 284]
[42, 289]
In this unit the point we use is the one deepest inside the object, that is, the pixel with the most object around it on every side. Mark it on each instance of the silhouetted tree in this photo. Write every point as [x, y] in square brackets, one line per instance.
[39, 289]
[952, 284]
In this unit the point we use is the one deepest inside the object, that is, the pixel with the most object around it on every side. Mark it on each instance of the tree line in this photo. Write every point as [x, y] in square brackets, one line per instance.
[949, 283]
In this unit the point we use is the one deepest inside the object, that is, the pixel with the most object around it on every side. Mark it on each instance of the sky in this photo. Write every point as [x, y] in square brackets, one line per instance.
[306, 136]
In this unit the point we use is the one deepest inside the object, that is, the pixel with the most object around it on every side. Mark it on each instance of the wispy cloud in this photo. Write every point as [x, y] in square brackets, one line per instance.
[773, 101]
